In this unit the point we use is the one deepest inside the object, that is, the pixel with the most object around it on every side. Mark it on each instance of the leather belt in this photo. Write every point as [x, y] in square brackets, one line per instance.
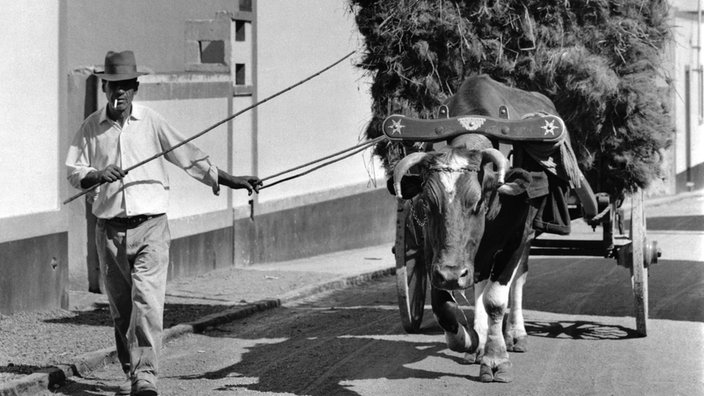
[132, 220]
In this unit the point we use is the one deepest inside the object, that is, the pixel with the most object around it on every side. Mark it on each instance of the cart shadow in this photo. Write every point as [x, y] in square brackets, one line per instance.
[580, 330]
[565, 329]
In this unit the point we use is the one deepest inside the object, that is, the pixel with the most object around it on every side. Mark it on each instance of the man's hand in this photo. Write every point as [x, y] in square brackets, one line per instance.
[251, 183]
[108, 175]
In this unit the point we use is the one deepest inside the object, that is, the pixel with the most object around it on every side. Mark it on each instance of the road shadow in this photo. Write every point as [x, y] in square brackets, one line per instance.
[330, 346]
[676, 223]
[580, 330]
[76, 387]
[597, 286]
[173, 314]
[325, 349]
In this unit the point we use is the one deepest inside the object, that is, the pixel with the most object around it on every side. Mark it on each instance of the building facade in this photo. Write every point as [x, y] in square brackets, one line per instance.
[686, 168]
[207, 61]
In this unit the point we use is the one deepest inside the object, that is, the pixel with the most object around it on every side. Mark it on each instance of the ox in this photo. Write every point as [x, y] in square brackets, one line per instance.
[475, 220]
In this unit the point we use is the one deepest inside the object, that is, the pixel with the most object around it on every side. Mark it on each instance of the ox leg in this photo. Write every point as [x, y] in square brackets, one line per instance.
[458, 338]
[495, 364]
[514, 328]
[481, 322]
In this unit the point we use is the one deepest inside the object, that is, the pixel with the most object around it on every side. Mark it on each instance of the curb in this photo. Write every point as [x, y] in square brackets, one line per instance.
[41, 382]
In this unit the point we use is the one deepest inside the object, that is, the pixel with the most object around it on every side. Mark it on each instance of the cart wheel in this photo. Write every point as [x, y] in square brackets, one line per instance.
[411, 279]
[639, 271]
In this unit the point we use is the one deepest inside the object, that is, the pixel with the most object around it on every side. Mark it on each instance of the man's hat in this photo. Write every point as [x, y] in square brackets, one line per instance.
[119, 66]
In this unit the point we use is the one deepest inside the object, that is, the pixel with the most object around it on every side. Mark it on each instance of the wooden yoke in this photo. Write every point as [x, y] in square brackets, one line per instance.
[539, 128]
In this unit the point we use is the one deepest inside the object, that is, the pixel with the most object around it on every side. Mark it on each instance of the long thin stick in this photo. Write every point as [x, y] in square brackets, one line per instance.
[216, 125]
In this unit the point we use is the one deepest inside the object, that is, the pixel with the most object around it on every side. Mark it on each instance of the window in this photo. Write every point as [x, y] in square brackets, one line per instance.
[239, 30]
[240, 78]
[212, 51]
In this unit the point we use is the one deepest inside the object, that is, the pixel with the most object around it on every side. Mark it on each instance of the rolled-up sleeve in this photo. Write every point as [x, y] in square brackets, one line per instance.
[188, 157]
[77, 160]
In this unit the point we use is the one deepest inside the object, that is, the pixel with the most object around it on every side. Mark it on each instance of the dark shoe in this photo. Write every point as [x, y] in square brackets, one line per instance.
[125, 388]
[143, 388]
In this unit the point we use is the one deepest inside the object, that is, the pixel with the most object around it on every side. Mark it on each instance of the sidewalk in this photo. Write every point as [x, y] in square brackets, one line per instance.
[192, 305]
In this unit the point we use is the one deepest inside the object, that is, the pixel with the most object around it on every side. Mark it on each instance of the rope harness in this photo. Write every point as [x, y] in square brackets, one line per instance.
[350, 151]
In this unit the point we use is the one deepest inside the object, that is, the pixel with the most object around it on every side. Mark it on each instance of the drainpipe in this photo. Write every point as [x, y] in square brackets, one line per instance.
[688, 127]
[699, 60]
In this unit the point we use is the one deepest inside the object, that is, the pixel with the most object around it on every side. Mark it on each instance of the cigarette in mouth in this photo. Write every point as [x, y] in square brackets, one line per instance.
[114, 104]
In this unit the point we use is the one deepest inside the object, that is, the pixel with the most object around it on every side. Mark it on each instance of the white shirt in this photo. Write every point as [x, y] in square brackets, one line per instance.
[144, 190]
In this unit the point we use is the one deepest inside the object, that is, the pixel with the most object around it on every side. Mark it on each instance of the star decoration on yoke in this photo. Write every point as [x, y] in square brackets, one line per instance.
[550, 128]
[396, 127]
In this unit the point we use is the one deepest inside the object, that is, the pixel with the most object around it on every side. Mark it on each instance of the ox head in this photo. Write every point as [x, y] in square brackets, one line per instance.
[459, 190]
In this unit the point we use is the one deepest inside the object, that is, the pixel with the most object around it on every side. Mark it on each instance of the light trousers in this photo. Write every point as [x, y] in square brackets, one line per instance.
[134, 262]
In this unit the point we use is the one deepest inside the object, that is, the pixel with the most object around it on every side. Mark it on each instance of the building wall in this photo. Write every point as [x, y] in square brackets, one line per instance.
[323, 116]
[685, 55]
[29, 110]
[33, 256]
[49, 89]
[154, 30]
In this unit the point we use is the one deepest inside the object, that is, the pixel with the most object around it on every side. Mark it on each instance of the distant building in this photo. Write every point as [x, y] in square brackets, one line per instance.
[686, 163]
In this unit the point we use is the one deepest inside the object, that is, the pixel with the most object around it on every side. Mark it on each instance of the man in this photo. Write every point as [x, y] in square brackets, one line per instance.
[132, 234]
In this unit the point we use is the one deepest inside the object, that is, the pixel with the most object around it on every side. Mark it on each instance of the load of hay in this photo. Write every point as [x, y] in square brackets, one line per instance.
[599, 61]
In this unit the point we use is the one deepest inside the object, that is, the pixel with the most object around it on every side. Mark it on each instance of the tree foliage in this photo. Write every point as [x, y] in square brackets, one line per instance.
[599, 61]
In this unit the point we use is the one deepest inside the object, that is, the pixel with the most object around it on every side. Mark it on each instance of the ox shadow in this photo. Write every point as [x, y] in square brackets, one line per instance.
[364, 346]
[332, 346]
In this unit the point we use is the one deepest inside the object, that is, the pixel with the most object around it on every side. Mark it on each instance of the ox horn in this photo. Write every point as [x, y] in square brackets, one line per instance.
[403, 166]
[495, 156]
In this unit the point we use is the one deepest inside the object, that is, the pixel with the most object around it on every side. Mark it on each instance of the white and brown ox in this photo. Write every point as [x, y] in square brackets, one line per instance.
[475, 221]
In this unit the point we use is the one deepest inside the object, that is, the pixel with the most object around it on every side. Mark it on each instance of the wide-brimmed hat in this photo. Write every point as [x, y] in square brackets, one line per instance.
[119, 66]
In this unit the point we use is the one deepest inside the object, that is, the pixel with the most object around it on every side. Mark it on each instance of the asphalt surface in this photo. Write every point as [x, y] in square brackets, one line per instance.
[569, 300]
[350, 342]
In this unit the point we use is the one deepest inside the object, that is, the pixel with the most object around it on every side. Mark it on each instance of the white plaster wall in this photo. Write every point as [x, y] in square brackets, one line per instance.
[154, 30]
[325, 115]
[29, 107]
[191, 116]
[685, 35]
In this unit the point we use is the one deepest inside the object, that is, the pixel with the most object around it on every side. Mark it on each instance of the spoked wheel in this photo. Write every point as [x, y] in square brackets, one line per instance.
[639, 270]
[411, 278]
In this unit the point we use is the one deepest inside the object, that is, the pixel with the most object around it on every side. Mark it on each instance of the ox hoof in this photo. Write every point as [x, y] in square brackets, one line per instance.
[518, 344]
[460, 342]
[500, 373]
[472, 358]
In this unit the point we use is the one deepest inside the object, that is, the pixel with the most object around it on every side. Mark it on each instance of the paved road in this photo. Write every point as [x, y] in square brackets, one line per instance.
[351, 343]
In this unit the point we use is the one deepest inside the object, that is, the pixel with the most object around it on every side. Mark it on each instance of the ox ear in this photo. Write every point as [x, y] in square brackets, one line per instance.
[489, 178]
[517, 181]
